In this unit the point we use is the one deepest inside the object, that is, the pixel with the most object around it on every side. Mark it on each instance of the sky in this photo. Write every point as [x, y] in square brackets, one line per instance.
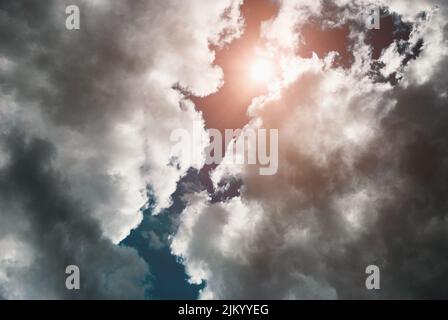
[89, 175]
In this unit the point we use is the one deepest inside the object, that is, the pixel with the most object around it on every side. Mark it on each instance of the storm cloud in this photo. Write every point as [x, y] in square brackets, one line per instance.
[362, 170]
[85, 120]
[85, 123]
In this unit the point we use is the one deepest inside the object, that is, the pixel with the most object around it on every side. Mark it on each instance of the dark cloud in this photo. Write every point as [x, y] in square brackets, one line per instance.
[85, 119]
[60, 231]
[50, 84]
[85, 122]
[362, 179]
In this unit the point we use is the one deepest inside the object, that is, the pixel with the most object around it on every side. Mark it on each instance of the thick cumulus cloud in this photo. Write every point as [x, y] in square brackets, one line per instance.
[85, 122]
[362, 172]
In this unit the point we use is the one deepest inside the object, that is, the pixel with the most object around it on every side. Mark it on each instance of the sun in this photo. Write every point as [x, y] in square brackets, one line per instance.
[261, 70]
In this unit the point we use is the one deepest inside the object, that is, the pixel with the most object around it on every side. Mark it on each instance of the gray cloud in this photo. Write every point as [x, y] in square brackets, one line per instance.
[39, 214]
[85, 120]
[362, 180]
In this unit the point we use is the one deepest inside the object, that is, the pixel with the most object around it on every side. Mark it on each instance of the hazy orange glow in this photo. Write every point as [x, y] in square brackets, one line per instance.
[226, 109]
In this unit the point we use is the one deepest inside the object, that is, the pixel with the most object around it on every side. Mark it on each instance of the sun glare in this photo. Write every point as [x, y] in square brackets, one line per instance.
[261, 70]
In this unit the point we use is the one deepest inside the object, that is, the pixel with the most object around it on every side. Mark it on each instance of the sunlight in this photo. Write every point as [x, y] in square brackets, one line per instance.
[261, 70]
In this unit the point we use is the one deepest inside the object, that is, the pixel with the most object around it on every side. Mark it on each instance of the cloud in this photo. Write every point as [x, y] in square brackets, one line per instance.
[362, 176]
[85, 121]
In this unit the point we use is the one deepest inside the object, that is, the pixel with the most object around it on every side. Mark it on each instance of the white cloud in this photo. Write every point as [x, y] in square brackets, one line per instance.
[355, 186]
[95, 107]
